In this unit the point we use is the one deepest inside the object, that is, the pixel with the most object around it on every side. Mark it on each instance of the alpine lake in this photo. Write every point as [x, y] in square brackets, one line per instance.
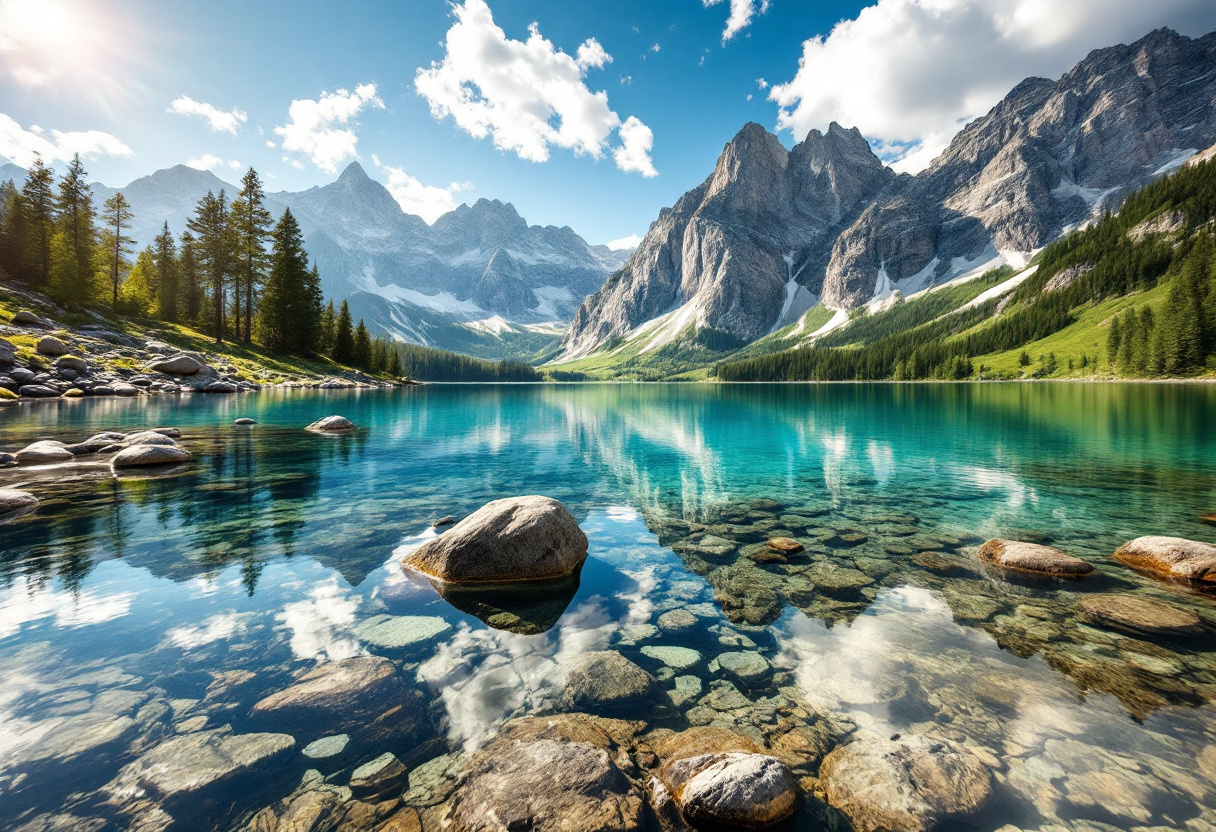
[163, 610]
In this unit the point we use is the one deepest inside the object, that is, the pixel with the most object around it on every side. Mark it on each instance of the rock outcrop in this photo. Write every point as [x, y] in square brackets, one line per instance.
[506, 541]
[331, 424]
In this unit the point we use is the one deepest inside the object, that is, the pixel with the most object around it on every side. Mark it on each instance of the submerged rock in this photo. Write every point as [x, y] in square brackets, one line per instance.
[678, 621]
[910, 784]
[515, 539]
[378, 776]
[1175, 557]
[346, 694]
[1137, 614]
[608, 681]
[558, 773]
[244, 420]
[677, 658]
[12, 500]
[1032, 557]
[191, 763]
[144, 455]
[747, 667]
[784, 545]
[331, 424]
[398, 631]
[330, 746]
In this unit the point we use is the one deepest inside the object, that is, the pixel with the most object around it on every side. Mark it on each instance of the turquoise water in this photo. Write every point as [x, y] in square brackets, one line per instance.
[140, 607]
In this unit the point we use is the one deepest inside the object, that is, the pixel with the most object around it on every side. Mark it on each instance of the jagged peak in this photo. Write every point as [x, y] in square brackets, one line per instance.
[353, 172]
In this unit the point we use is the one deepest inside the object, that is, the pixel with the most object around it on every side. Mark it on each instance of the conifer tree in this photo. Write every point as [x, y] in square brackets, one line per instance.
[329, 324]
[394, 361]
[116, 217]
[344, 337]
[75, 275]
[362, 357]
[379, 358]
[189, 280]
[289, 319]
[164, 255]
[252, 226]
[12, 231]
[135, 296]
[213, 252]
[38, 202]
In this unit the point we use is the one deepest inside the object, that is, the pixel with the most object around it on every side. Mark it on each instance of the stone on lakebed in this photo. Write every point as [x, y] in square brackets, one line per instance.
[42, 453]
[1137, 614]
[1032, 557]
[331, 424]
[13, 500]
[143, 455]
[784, 545]
[1175, 557]
[506, 541]
[397, 631]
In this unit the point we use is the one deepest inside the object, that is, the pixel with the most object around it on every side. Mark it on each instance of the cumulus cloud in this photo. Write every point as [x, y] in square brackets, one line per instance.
[319, 130]
[205, 162]
[22, 146]
[427, 201]
[633, 156]
[742, 13]
[221, 121]
[525, 95]
[910, 73]
[632, 241]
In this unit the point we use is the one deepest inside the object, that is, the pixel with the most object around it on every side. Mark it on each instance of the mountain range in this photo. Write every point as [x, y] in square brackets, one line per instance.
[774, 236]
[480, 280]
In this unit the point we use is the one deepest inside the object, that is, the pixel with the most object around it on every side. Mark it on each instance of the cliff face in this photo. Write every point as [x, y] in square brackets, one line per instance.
[827, 222]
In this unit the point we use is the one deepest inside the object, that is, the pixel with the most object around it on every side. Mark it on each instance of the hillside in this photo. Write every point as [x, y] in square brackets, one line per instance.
[1133, 296]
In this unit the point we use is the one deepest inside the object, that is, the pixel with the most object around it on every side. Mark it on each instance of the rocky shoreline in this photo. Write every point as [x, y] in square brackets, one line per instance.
[95, 360]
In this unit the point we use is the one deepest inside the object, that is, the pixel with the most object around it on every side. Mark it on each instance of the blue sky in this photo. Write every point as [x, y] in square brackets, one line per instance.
[137, 86]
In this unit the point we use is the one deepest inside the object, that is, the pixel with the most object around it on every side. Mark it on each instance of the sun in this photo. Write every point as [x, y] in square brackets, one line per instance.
[54, 34]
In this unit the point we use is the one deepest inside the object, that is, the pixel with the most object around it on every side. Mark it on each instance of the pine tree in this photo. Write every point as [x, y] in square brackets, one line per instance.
[289, 319]
[189, 280]
[38, 196]
[379, 360]
[1024, 359]
[12, 231]
[1114, 339]
[252, 226]
[116, 217]
[75, 276]
[329, 323]
[213, 252]
[135, 297]
[394, 361]
[344, 337]
[167, 275]
[362, 357]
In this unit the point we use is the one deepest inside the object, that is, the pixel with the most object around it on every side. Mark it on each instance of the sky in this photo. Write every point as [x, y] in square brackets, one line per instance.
[586, 113]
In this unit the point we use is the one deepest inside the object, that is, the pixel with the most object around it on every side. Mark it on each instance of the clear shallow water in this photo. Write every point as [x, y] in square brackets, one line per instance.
[132, 607]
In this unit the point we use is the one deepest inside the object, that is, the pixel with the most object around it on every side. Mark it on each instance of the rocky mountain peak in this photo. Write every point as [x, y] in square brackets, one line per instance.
[354, 172]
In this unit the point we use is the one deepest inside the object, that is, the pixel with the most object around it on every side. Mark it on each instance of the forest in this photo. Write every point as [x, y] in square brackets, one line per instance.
[235, 273]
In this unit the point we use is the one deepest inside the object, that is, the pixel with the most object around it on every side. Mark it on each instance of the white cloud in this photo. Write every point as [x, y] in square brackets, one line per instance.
[427, 201]
[221, 121]
[21, 146]
[625, 243]
[910, 73]
[318, 128]
[633, 156]
[29, 77]
[592, 55]
[525, 95]
[741, 14]
[205, 162]
[761, 83]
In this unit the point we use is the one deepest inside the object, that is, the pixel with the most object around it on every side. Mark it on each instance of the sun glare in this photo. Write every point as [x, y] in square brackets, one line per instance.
[55, 35]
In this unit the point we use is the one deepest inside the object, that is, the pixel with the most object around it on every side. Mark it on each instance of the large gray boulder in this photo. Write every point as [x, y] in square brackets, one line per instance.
[348, 692]
[1137, 614]
[8, 353]
[179, 365]
[147, 437]
[515, 539]
[12, 500]
[1032, 557]
[25, 317]
[1175, 557]
[52, 346]
[38, 391]
[734, 790]
[910, 784]
[137, 456]
[43, 453]
[72, 363]
[331, 424]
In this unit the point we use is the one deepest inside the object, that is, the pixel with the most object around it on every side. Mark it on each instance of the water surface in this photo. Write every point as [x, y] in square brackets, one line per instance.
[145, 598]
